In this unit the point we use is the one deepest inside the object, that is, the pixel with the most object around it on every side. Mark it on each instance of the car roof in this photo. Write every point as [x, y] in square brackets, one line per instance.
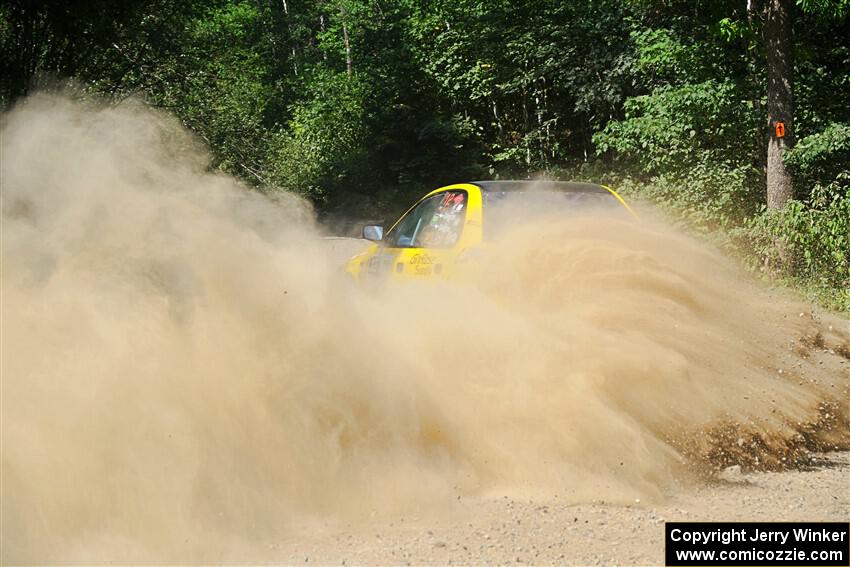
[539, 185]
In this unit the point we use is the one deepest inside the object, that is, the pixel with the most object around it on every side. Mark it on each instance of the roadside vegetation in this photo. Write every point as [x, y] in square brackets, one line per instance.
[361, 105]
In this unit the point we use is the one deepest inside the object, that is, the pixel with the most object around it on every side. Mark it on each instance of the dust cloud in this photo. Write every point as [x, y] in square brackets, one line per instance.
[187, 372]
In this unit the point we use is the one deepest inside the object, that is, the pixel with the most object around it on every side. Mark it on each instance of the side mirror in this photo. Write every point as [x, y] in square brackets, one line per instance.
[373, 232]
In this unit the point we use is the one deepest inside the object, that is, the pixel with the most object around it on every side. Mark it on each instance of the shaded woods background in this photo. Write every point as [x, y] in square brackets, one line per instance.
[361, 105]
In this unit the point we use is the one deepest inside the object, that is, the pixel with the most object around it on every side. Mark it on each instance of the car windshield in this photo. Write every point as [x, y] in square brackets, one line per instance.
[436, 222]
[505, 209]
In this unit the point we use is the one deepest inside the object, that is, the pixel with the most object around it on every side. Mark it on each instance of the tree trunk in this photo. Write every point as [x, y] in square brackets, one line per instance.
[290, 38]
[348, 64]
[780, 101]
[346, 42]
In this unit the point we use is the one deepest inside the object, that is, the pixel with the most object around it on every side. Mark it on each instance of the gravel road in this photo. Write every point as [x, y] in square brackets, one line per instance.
[506, 531]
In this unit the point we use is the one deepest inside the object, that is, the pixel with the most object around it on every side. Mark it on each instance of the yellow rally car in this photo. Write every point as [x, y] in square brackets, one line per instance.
[437, 236]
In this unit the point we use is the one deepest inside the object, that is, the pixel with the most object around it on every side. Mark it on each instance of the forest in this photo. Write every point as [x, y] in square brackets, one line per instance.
[732, 115]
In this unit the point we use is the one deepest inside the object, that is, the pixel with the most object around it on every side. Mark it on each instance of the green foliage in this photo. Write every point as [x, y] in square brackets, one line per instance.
[834, 9]
[536, 77]
[817, 238]
[674, 127]
[694, 143]
[326, 139]
[730, 30]
[227, 88]
[710, 197]
[660, 54]
[823, 159]
[695, 133]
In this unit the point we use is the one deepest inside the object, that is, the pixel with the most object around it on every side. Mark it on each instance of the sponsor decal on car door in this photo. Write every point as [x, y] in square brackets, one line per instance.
[422, 243]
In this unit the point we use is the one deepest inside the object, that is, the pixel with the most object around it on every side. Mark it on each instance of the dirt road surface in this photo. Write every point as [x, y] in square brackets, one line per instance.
[507, 531]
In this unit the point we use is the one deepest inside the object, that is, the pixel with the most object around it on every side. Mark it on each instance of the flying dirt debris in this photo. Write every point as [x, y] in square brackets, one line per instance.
[187, 371]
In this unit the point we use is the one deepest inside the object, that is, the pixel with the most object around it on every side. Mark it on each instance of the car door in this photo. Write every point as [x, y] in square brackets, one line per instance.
[424, 243]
